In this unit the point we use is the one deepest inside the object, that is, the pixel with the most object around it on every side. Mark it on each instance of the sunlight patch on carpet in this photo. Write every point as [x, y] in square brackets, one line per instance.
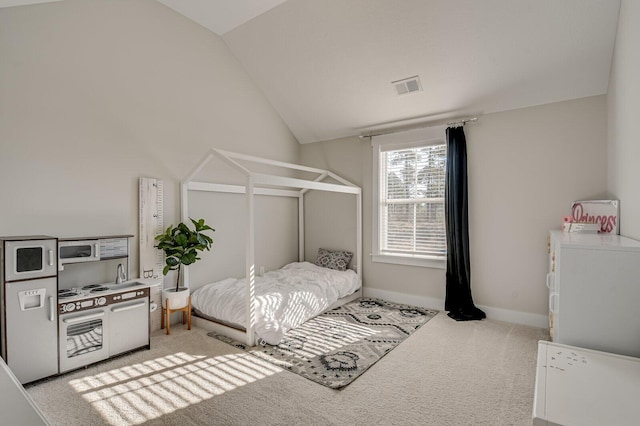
[137, 393]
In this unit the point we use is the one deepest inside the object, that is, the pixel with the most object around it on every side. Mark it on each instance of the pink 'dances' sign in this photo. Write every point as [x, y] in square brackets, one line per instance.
[604, 212]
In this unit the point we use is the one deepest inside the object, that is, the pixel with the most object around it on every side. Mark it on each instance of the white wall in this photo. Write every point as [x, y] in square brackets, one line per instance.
[526, 166]
[96, 94]
[276, 236]
[623, 109]
[333, 211]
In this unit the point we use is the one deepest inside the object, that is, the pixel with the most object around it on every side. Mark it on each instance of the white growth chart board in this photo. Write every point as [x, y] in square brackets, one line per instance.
[151, 224]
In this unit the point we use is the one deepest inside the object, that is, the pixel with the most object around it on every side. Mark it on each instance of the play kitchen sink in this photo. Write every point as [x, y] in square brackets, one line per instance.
[125, 285]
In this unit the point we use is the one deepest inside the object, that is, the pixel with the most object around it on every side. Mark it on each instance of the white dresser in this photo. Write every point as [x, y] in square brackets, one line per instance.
[594, 291]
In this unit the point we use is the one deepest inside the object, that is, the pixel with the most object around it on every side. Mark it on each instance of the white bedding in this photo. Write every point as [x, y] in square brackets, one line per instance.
[285, 298]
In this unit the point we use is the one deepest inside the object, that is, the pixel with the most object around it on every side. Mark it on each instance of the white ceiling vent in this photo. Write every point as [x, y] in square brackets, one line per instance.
[407, 85]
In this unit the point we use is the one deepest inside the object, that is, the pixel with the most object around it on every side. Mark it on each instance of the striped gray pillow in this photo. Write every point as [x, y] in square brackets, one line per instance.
[333, 259]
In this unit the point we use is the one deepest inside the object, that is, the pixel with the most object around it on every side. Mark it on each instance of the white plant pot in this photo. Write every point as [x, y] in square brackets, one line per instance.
[177, 299]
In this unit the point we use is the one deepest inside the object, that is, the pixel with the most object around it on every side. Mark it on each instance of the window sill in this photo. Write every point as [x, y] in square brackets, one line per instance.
[424, 262]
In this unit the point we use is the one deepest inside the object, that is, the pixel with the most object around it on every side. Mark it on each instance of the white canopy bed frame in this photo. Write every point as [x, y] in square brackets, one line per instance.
[269, 185]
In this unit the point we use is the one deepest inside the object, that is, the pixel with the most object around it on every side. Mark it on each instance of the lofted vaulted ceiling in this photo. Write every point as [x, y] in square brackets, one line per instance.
[327, 66]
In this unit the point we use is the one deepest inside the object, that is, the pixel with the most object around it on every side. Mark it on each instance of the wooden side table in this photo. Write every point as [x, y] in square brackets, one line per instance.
[167, 311]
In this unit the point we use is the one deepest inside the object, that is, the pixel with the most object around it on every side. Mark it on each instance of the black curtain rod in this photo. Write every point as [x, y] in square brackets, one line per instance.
[459, 122]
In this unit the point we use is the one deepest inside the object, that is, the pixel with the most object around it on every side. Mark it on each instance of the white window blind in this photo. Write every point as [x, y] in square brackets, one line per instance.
[411, 212]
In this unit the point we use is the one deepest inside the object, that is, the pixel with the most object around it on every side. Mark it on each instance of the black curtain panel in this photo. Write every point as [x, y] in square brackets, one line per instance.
[458, 299]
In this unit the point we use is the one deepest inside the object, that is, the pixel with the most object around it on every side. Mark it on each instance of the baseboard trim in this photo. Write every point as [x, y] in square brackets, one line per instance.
[498, 314]
[407, 299]
[516, 317]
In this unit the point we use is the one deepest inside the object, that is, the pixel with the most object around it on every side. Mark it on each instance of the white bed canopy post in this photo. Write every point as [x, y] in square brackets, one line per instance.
[184, 218]
[359, 235]
[301, 227]
[250, 275]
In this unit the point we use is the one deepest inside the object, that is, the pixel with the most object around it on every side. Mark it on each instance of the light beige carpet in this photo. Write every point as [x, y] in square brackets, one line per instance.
[446, 373]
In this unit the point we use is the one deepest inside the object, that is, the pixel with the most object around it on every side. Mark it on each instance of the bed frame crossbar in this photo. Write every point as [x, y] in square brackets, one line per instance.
[239, 189]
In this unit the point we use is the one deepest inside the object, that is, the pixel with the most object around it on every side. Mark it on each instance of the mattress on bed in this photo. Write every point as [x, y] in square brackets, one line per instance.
[285, 298]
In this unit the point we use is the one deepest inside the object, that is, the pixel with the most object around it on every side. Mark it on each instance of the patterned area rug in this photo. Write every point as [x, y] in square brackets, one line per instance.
[334, 348]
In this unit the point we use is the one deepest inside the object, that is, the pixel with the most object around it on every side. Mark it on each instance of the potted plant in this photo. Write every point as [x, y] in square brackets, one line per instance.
[181, 246]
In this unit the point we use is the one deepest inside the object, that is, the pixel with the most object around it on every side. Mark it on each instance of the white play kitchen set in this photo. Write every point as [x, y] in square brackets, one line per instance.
[49, 326]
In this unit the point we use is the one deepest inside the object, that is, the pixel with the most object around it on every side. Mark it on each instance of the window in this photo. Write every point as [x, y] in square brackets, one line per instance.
[409, 217]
